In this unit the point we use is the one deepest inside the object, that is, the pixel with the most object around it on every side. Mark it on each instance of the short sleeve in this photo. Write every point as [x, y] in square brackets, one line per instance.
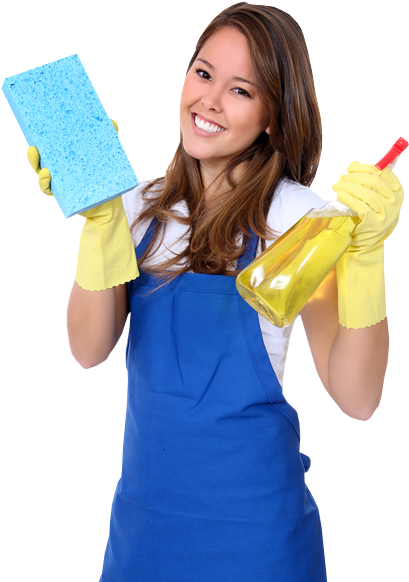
[133, 205]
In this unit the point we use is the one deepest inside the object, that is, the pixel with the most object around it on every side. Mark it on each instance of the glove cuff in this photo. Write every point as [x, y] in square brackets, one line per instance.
[106, 256]
[361, 287]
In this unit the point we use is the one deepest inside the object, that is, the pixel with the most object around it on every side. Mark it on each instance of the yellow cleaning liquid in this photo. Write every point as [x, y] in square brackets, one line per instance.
[279, 282]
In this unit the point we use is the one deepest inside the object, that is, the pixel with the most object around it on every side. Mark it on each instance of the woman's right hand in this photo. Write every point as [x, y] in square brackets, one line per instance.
[106, 256]
[44, 176]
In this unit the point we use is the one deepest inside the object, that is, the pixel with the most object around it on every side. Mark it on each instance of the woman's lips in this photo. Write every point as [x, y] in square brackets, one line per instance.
[208, 120]
[202, 132]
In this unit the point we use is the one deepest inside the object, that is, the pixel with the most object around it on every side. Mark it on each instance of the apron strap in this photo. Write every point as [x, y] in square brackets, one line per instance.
[249, 253]
[146, 239]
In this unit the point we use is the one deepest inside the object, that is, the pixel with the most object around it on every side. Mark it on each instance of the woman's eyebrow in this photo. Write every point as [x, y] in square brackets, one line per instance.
[234, 78]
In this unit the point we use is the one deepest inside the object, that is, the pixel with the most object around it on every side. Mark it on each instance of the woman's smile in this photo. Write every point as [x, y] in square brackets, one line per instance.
[205, 127]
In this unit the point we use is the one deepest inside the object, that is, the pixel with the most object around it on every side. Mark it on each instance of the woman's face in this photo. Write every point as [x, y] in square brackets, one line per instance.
[219, 89]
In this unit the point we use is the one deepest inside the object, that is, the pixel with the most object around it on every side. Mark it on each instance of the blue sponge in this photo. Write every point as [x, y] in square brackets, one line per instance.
[61, 115]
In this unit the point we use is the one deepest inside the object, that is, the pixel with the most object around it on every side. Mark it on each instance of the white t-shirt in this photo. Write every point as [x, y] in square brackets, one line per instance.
[290, 202]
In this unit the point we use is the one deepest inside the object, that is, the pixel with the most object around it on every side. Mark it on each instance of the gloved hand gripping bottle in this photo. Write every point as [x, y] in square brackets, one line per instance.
[280, 281]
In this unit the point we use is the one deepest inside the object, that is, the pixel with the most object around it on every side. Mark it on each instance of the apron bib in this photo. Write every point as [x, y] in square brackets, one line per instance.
[212, 486]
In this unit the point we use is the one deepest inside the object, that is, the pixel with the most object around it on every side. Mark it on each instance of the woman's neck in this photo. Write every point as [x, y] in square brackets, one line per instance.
[215, 183]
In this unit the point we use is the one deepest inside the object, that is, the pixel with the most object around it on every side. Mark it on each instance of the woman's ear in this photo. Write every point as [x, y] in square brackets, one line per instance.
[267, 129]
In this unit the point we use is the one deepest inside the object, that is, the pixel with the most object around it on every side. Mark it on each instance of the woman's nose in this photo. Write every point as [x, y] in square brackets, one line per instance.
[211, 100]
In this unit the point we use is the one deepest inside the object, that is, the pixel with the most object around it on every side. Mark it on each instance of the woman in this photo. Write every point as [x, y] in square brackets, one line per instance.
[212, 485]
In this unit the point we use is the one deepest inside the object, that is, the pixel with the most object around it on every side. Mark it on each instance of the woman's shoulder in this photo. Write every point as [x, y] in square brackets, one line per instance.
[290, 202]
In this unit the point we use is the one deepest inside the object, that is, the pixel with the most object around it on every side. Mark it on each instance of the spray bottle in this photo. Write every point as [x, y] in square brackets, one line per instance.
[280, 281]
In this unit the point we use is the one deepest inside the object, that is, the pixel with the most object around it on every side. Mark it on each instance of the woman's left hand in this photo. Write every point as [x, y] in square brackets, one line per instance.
[376, 196]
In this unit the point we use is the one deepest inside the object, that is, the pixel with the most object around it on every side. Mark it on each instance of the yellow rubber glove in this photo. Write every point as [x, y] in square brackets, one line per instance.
[376, 196]
[106, 256]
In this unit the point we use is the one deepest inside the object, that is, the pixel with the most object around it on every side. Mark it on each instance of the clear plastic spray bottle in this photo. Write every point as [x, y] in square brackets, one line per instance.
[280, 281]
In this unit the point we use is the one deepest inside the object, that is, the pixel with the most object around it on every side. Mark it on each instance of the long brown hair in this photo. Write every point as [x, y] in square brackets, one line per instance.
[281, 65]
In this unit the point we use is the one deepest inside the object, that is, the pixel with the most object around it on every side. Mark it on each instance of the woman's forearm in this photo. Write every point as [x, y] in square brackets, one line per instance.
[94, 324]
[356, 368]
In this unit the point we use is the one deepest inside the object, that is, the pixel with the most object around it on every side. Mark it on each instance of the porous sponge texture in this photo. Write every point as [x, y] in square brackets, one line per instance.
[61, 115]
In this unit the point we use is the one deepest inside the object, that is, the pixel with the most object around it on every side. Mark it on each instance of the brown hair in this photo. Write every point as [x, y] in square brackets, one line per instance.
[282, 69]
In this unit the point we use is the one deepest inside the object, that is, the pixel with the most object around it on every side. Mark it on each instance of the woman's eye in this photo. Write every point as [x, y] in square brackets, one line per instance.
[198, 71]
[243, 94]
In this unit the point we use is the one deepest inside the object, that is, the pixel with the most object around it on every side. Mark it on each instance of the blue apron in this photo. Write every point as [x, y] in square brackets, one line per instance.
[212, 486]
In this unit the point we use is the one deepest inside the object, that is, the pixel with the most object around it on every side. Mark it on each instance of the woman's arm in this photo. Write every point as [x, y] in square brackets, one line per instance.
[95, 321]
[351, 363]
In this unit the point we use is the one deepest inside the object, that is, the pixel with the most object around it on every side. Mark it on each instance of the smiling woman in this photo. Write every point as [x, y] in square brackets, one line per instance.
[213, 480]
[199, 498]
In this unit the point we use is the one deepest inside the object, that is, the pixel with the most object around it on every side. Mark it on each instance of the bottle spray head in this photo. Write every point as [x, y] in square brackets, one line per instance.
[393, 154]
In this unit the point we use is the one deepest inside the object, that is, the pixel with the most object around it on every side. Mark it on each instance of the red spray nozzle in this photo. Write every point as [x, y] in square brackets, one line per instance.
[393, 153]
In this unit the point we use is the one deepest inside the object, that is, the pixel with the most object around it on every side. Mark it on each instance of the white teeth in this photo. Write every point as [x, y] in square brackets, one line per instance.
[209, 127]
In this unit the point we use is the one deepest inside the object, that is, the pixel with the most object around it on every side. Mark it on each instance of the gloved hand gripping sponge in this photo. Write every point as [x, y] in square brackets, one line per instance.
[61, 115]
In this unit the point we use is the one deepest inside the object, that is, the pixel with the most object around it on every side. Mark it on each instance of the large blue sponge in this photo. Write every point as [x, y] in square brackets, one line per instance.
[60, 113]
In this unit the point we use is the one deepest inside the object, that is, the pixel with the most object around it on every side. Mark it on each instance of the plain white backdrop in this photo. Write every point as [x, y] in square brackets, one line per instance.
[62, 426]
